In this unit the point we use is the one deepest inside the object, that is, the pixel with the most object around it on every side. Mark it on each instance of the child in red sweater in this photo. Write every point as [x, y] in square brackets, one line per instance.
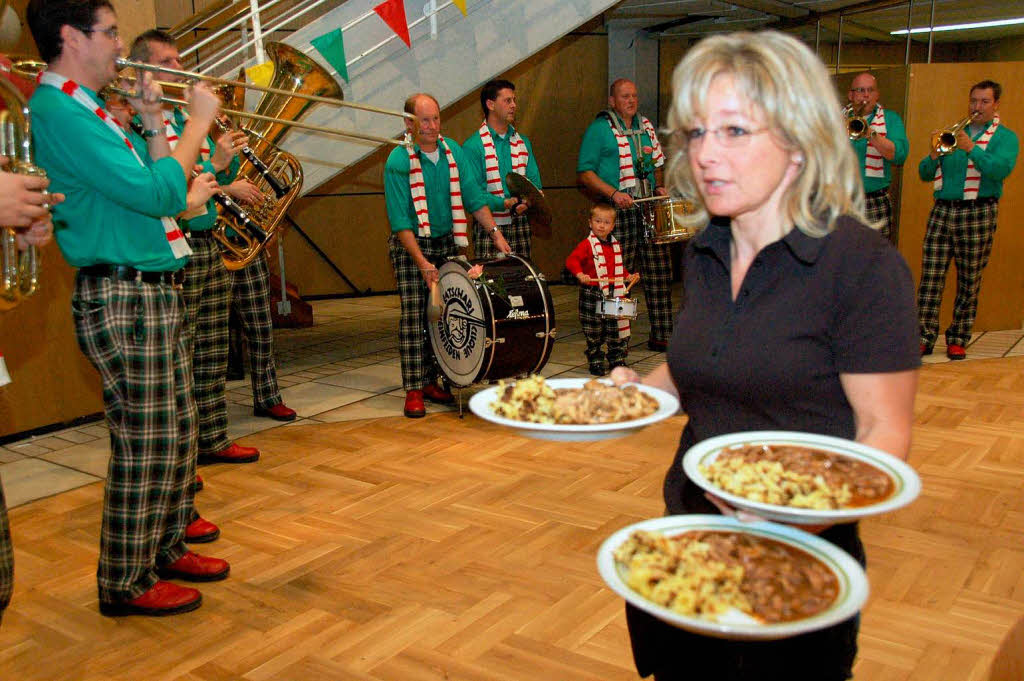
[598, 266]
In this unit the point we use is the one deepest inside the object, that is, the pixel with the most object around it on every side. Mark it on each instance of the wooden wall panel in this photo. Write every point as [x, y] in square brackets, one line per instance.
[938, 97]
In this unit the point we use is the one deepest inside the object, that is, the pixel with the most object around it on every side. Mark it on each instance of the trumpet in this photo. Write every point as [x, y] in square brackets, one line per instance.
[19, 272]
[857, 126]
[945, 142]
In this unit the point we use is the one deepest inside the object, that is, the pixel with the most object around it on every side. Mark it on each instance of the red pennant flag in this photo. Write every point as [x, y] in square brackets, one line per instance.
[393, 14]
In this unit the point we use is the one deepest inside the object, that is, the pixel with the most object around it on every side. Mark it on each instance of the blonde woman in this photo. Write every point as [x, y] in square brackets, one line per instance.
[797, 316]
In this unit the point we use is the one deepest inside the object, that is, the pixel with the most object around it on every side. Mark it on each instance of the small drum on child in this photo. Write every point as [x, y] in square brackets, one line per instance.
[667, 219]
[497, 324]
[617, 308]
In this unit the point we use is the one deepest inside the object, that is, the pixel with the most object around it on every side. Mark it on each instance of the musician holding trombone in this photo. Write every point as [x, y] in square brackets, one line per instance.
[967, 165]
[127, 304]
[880, 142]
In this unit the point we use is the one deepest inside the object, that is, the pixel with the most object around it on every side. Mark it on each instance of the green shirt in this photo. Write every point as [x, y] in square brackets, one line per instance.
[599, 152]
[207, 220]
[896, 133]
[398, 197]
[113, 207]
[994, 163]
[473, 149]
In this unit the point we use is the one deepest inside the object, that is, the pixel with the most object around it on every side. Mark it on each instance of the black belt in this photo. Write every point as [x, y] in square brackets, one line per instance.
[126, 273]
[200, 234]
[963, 203]
[878, 192]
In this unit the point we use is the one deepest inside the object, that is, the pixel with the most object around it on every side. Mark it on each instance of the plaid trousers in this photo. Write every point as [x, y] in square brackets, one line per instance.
[878, 209]
[6, 556]
[131, 332]
[207, 294]
[419, 367]
[516, 234]
[251, 301]
[653, 262]
[963, 232]
[598, 329]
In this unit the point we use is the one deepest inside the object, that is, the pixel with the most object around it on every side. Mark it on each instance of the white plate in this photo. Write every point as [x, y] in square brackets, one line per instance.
[853, 583]
[480, 404]
[907, 485]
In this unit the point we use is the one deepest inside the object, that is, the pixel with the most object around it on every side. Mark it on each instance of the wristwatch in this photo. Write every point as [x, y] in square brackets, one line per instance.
[151, 132]
[493, 229]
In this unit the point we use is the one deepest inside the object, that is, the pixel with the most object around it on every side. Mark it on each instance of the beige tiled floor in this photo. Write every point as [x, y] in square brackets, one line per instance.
[344, 367]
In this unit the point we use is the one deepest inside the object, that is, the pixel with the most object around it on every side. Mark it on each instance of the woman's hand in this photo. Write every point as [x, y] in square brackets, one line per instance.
[624, 375]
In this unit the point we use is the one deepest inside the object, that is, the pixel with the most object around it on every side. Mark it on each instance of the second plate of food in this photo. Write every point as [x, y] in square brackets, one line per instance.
[801, 478]
[482, 404]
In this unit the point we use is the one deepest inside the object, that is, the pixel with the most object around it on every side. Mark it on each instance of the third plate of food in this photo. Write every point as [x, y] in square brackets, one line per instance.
[801, 478]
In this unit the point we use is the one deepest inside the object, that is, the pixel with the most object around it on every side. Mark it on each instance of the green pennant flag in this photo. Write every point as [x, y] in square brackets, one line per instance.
[332, 48]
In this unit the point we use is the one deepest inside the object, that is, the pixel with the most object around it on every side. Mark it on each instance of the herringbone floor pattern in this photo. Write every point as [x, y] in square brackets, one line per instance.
[441, 549]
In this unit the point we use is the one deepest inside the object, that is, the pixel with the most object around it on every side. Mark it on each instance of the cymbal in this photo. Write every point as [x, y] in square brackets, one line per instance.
[538, 213]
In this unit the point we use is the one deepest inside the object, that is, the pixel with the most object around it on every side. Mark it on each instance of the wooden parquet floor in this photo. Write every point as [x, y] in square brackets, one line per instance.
[440, 549]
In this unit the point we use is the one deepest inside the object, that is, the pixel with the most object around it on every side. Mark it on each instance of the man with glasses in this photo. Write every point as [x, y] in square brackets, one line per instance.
[968, 183]
[127, 304]
[621, 160]
[884, 146]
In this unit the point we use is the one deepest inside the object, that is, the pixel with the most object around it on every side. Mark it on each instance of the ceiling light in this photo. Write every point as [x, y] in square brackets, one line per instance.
[962, 27]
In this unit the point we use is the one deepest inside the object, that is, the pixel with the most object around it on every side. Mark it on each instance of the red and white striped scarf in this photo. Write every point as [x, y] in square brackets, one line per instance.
[172, 134]
[627, 169]
[616, 288]
[874, 165]
[972, 179]
[419, 194]
[175, 238]
[520, 157]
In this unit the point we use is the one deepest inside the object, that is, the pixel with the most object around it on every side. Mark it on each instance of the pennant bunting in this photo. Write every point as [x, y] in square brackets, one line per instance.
[461, 4]
[261, 73]
[332, 47]
[393, 14]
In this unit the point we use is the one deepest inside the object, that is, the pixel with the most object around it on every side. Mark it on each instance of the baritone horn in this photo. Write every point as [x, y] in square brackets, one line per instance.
[19, 271]
[945, 142]
[857, 126]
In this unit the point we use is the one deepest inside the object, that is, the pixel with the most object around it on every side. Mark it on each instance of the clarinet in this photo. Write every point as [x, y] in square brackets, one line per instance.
[275, 184]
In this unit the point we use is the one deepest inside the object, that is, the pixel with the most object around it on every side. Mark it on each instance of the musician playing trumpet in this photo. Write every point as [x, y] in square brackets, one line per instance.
[885, 145]
[968, 182]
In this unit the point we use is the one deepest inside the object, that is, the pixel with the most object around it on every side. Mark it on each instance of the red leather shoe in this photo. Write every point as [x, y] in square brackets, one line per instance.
[198, 485]
[925, 349]
[195, 568]
[278, 412]
[163, 598]
[236, 453]
[954, 351]
[414, 407]
[201, 531]
[437, 394]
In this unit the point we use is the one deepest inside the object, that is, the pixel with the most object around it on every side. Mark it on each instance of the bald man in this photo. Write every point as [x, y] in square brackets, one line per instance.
[884, 146]
[607, 175]
[426, 203]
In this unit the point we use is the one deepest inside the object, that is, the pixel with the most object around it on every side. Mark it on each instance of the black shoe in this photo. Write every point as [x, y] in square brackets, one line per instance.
[598, 369]
[657, 345]
[618, 363]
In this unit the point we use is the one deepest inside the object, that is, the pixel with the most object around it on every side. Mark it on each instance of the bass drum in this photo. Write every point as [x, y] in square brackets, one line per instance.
[499, 324]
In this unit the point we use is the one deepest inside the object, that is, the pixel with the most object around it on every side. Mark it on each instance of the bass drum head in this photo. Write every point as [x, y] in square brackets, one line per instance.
[459, 338]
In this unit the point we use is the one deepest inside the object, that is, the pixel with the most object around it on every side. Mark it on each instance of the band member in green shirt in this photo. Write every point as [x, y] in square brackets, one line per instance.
[621, 160]
[494, 151]
[968, 183]
[883, 146]
[426, 204]
[127, 304]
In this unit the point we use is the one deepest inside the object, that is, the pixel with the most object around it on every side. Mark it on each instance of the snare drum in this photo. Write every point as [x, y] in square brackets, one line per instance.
[499, 325]
[667, 219]
[617, 308]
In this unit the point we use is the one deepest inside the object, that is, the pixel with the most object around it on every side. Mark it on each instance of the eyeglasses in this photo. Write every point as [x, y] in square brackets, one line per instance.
[862, 90]
[109, 32]
[730, 136]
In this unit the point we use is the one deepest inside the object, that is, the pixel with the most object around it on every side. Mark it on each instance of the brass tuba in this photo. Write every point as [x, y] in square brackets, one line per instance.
[19, 277]
[277, 173]
[945, 141]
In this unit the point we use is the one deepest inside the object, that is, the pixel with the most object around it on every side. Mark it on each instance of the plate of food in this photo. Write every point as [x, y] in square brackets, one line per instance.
[572, 409]
[801, 478]
[720, 577]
